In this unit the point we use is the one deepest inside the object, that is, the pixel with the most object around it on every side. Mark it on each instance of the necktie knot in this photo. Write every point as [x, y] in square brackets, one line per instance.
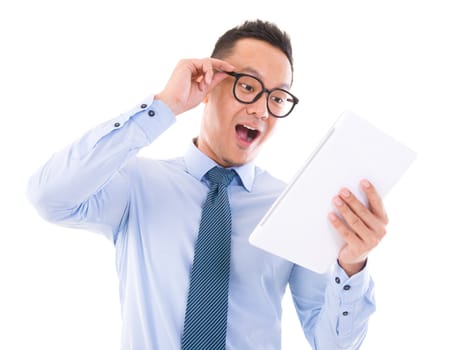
[220, 176]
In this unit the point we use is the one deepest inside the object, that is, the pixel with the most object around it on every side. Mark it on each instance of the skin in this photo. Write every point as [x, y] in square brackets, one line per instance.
[218, 138]
[201, 80]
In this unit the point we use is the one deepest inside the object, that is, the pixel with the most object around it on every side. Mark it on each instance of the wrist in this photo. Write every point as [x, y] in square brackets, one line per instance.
[168, 102]
[352, 268]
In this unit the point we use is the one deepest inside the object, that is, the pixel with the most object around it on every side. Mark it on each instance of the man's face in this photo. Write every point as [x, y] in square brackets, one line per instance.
[232, 133]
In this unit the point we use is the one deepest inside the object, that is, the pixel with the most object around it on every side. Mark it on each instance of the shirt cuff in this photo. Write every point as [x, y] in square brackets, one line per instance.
[153, 117]
[350, 289]
[351, 295]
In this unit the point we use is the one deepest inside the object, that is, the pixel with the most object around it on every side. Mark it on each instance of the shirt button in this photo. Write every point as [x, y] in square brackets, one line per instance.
[143, 105]
[337, 280]
[117, 125]
[347, 287]
[345, 313]
[151, 113]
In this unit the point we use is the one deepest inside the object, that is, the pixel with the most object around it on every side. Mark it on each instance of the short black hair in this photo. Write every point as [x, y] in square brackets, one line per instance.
[256, 29]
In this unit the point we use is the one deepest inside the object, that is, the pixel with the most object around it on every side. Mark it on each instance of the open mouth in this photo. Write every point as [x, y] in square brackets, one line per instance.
[246, 133]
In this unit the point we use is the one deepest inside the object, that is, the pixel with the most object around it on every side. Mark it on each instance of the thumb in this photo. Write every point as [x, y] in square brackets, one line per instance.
[217, 78]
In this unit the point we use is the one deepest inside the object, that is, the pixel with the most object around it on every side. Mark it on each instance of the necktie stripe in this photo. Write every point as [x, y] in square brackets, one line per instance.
[206, 310]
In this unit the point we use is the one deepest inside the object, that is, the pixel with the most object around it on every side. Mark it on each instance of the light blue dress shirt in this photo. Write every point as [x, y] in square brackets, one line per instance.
[150, 210]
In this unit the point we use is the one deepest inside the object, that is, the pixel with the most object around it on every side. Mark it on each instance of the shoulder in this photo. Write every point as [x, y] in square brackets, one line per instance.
[142, 167]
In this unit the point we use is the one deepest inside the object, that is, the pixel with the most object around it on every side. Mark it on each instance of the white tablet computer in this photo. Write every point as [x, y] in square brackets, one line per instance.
[296, 227]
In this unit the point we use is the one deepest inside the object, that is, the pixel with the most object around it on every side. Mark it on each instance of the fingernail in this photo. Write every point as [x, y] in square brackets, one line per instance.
[337, 201]
[345, 193]
[332, 217]
[365, 183]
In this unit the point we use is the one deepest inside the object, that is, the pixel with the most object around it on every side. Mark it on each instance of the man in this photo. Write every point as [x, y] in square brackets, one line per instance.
[151, 209]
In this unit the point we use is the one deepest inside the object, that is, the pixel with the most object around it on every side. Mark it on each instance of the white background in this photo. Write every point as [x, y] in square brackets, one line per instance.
[407, 66]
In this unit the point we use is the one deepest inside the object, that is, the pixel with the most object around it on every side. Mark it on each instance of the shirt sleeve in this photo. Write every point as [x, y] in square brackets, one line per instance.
[85, 184]
[333, 309]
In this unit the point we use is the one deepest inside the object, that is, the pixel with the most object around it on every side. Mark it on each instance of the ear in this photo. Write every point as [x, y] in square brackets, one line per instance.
[205, 100]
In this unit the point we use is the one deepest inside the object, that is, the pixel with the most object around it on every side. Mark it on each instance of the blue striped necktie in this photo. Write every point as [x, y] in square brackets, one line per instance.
[207, 305]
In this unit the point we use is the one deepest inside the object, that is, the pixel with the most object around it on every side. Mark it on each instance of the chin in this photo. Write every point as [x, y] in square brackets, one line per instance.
[237, 156]
[235, 161]
[244, 160]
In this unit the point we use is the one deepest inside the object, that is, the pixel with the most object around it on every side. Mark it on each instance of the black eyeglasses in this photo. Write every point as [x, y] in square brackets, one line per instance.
[248, 89]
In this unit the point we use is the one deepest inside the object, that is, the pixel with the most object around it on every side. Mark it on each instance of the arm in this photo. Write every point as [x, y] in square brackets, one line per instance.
[86, 185]
[333, 308]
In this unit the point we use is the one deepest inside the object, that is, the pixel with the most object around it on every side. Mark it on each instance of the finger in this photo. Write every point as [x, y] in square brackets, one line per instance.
[216, 78]
[212, 66]
[220, 65]
[375, 201]
[211, 70]
[202, 85]
[370, 219]
[208, 72]
[353, 221]
[217, 68]
[348, 235]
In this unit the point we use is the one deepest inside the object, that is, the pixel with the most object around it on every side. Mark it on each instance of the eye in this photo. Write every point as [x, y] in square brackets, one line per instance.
[277, 99]
[280, 97]
[246, 87]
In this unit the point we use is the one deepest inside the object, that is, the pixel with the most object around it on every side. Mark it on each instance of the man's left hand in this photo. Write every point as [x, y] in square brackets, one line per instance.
[362, 227]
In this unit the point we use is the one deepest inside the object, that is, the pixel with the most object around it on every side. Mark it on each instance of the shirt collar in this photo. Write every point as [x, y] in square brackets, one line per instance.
[198, 164]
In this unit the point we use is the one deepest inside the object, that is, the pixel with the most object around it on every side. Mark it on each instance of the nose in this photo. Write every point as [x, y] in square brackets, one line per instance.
[259, 107]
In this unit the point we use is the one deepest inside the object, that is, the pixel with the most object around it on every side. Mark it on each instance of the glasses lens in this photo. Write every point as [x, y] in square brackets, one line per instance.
[280, 102]
[247, 88]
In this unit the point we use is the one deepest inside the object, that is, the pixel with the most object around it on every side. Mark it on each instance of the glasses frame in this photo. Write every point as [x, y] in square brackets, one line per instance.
[237, 76]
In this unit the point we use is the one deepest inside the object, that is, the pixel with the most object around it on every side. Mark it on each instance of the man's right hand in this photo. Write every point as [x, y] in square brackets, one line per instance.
[190, 81]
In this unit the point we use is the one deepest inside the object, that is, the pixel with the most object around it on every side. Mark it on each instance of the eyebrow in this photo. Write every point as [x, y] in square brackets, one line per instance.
[254, 72]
